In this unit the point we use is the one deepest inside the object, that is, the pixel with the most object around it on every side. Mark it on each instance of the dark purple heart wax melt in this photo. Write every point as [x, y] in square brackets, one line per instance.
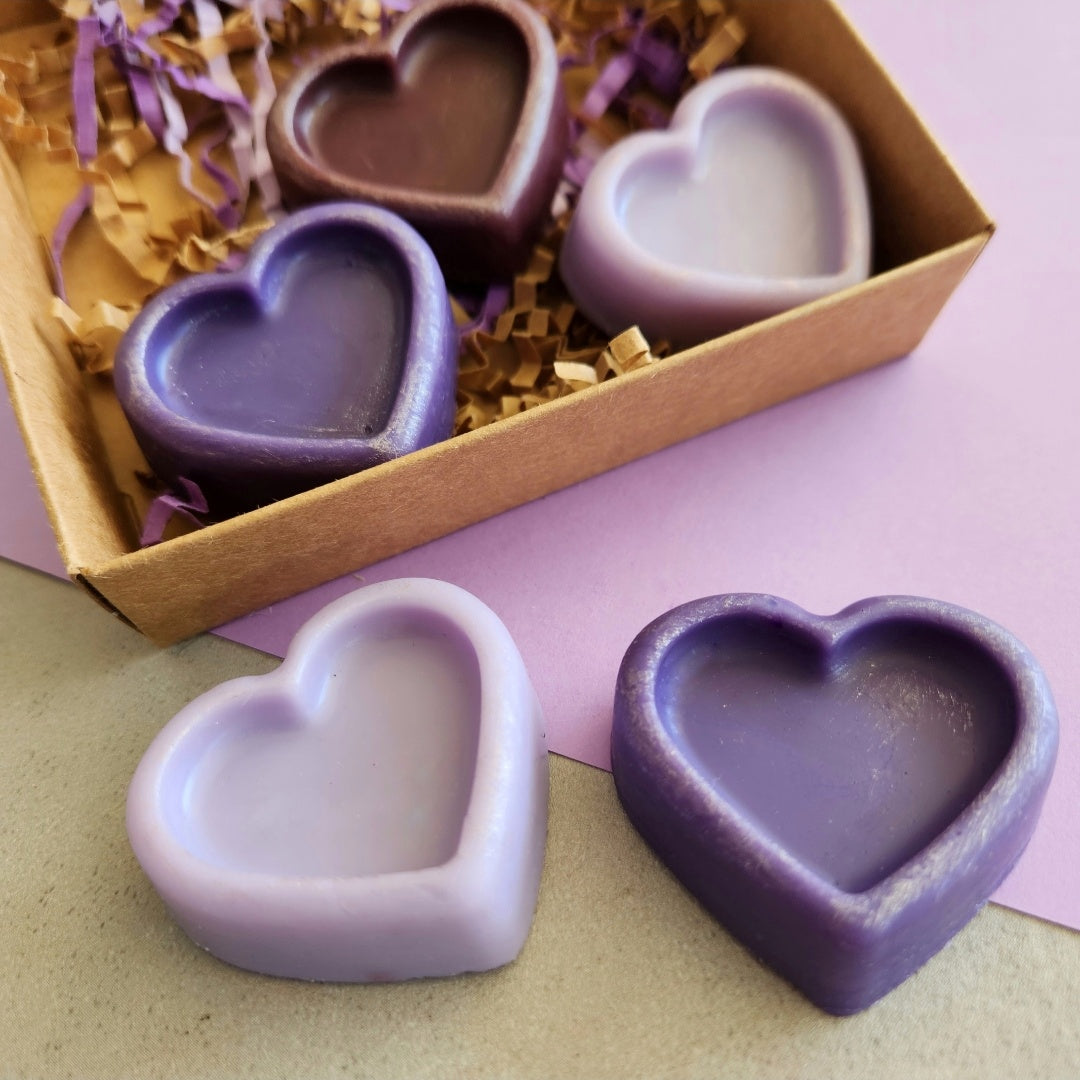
[456, 121]
[842, 792]
[332, 350]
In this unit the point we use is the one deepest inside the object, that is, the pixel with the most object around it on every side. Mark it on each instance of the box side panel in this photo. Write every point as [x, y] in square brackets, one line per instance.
[48, 395]
[920, 202]
[206, 578]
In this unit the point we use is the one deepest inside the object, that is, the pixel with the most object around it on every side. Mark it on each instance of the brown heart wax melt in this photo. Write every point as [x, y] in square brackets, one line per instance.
[456, 121]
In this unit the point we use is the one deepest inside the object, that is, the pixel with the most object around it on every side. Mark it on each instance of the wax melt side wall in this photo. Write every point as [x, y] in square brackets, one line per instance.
[930, 231]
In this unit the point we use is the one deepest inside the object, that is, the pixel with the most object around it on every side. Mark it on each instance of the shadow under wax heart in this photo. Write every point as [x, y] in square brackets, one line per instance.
[752, 202]
[843, 793]
[332, 350]
[374, 809]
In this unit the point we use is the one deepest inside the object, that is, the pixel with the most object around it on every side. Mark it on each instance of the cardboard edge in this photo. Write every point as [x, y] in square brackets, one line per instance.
[48, 395]
[431, 493]
[981, 218]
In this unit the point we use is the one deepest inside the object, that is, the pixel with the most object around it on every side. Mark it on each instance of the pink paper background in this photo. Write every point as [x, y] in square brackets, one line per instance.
[952, 474]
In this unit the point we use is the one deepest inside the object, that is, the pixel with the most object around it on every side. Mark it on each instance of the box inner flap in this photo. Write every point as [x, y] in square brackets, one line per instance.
[47, 391]
[920, 203]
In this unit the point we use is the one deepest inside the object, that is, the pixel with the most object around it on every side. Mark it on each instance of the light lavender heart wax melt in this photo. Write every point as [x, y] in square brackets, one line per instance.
[752, 202]
[373, 810]
[843, 793]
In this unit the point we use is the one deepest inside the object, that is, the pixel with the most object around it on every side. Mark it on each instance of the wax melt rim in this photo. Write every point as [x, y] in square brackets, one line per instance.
[1023, 772]
[495, 204]
[430, 327]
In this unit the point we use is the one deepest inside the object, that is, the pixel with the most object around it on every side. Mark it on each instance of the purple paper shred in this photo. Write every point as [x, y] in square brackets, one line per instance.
[660, 62]
[587, 56]
[233, 261]
[491, 306]
[162, 19]
[228, 212]
[69, 218]
[82, 89]
[84, 101]
[144, 94]
[151, 79]
[190, 505]
[618, 71]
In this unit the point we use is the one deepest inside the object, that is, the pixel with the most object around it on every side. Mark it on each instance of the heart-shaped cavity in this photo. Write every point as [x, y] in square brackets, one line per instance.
[331, 351]
[753, 202]
[241, 366]
[844, 792]
[456, 121]
[854, 762]
[378, 783]
[476, 60]
[374, 809]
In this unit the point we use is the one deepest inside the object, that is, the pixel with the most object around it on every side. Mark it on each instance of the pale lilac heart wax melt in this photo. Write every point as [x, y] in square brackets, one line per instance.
[752, 202]
[843, 793]
[334, 349]
[373, 810]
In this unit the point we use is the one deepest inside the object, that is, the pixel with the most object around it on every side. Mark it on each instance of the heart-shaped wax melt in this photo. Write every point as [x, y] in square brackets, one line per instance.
[751, 203]
[456, 121]
[843, 793]
[332, 350]
[375, 809]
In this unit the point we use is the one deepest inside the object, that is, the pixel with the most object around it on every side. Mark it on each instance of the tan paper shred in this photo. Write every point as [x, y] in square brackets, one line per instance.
[720, 47]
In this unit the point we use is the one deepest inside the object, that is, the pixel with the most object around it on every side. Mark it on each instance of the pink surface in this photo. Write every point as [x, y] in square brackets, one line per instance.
[25, 533]
[953, 474]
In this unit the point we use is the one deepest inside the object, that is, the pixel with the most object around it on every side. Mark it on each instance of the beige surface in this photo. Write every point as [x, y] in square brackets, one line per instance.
[623, 974]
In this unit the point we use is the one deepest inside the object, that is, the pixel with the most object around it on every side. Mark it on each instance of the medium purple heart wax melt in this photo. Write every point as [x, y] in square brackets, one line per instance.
[844, 792]
[752, 202]
[332, 350]
[375, 809]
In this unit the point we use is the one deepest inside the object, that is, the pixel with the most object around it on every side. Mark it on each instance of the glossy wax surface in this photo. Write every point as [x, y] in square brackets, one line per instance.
[842, 792]
[854, 764]
[331, 350]
[446, 124]
[375, 809]
[323, 359]
[760, 199]
[379, 784]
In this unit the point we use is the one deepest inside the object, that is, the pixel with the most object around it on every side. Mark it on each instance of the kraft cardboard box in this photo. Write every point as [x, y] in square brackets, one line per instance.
[929, 229]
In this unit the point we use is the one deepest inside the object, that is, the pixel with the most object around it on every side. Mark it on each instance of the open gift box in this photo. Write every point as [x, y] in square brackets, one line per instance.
[928, 230]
